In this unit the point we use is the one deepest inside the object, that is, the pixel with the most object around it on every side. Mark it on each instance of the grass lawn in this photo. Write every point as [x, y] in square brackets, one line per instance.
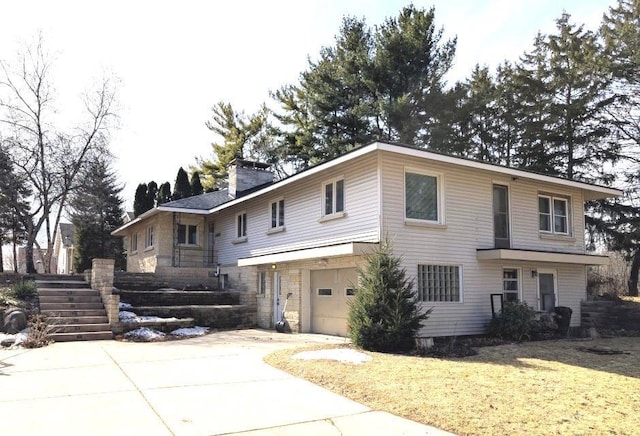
[535, 388]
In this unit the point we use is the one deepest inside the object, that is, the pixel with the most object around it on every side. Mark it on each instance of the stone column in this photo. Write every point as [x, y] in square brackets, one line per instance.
[102, 280]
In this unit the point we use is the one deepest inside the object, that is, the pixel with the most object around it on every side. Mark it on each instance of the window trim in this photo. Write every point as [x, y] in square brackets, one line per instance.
[518, 281]
[134, 243]
[460, 281]
[280, 211]
[440, 203]
[323, 202]
[187, 233]
[552, 198]
[241, 225]
[148, 238]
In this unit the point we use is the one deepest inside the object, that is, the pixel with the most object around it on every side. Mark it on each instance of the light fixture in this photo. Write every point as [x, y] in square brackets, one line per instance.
[534, 273]
[273, 266]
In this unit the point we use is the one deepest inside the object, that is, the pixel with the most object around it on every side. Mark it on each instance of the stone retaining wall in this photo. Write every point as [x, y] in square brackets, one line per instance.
[610, 315]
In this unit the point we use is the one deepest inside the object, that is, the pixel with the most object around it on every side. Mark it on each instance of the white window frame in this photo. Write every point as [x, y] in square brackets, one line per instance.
[439, 190]
[334, 213]
[552, 214]
[187, 232]
[241, 227]
[134, 243]
[280, 210]
[262, 283]
[518, 281]
[148, 238]
[423, 294]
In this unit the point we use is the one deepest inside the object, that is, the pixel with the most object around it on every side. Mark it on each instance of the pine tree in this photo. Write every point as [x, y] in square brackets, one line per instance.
[182, 188]
[384, 314]
[196, 186]
[95, 212]
[164, 194]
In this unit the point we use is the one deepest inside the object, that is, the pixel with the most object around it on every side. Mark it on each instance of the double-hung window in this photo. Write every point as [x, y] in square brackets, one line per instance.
[333, 193]
[422, 197]
[148, 240]
[277, 214]
[439, 283]
[134, 243]
[187, 234]
[511, 284]
[553, 214]
[241, 225]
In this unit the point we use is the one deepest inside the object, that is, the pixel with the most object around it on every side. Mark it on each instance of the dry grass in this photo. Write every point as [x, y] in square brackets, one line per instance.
[532, 388]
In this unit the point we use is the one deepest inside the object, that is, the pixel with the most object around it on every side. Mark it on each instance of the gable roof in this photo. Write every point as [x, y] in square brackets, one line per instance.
[66, 234]
[205, 204]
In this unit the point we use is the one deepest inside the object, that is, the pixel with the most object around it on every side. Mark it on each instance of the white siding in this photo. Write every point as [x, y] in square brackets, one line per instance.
[303, 210]
[468, 226]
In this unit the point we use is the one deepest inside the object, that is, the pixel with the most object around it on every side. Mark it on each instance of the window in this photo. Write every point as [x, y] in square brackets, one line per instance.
[439, 283]
[241, 225]
[349, 292]
[187, 234]
[334, 197]
[422, 197]
[325, 292]
[277, 214]
[511, 284]
[553, 213]
[148, 240]
[262, 282]
[134, 243]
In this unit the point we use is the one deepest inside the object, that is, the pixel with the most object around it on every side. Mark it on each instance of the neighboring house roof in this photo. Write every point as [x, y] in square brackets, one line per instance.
[66, 234]
[198, 205]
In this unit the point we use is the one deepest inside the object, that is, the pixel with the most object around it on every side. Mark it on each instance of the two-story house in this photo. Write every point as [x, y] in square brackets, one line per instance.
[469, 233]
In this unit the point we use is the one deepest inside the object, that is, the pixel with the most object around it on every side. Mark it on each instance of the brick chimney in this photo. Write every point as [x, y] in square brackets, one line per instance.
[245, 175]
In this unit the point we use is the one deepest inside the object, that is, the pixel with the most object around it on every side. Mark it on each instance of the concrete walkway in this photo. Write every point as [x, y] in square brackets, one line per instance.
[215, 384]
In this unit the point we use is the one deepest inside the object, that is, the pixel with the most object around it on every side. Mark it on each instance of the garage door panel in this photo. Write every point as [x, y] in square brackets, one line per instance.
[329, 303]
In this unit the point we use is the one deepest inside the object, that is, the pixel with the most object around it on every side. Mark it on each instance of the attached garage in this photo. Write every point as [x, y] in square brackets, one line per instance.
[331, 289]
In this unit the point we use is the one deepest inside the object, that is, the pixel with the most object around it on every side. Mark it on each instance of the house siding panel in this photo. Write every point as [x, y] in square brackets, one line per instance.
[303, 212]
[468, 225]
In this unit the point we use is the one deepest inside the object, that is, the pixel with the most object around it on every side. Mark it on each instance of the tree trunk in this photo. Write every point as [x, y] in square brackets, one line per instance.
[1, 259]
[633, 275]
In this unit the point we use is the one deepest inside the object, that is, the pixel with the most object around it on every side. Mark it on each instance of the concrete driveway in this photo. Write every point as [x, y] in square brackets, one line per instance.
[215, 384]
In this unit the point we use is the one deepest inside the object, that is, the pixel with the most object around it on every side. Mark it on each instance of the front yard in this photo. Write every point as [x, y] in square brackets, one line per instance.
[535, 388]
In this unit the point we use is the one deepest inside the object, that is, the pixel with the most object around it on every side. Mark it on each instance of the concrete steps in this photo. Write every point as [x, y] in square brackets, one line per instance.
[73, 310]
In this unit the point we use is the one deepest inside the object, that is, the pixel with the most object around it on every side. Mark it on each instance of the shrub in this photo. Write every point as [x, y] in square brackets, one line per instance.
[23, 290]
[514, 323]
[38, 332]
[384, 314]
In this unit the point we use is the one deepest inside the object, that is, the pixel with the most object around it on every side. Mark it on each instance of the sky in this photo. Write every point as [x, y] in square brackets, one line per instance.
[175, 60]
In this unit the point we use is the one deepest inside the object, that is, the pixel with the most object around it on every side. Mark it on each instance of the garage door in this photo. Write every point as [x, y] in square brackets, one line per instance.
[330, 291]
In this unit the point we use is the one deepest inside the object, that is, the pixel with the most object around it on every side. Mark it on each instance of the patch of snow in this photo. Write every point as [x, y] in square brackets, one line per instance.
[127, 316]
[155, 318]
[192, 331]
[144, 333]
[344, 355]
[123, 305]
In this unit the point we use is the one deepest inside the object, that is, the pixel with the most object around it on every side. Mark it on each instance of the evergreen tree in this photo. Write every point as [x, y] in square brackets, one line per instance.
[384, 314]
[95, 212]
[152, 194]
[140, 202]
[182, 188]
[196, 186]
[164, 193]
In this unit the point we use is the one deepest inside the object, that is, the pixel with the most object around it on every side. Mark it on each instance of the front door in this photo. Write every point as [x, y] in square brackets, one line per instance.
[277, 294]
[547, 290]
[501, 216]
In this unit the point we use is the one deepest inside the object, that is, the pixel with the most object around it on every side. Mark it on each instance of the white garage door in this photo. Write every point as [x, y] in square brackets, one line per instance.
[330, 291]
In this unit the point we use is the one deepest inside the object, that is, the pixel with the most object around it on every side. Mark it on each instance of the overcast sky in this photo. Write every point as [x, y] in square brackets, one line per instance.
[175, 60]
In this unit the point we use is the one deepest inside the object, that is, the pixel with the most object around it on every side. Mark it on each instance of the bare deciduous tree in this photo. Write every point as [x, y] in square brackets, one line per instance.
[49, 155]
